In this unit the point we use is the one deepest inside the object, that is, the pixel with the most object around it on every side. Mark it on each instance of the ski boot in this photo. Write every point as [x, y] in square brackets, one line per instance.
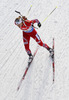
[30, 59]
[51, 52]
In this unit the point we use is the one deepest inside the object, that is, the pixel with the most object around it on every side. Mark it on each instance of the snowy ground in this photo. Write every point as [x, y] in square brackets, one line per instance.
[13, 58]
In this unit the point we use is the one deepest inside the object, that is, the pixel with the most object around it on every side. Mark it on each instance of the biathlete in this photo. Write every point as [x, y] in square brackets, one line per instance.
[29, 31]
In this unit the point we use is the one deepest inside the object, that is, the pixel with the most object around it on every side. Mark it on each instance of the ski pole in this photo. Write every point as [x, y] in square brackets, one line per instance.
[27, 12]
[49, 14]
[21, 14]
[18, 12]
[29, 9]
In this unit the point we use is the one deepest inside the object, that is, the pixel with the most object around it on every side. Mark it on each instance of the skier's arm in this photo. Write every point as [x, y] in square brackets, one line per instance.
[36, 21]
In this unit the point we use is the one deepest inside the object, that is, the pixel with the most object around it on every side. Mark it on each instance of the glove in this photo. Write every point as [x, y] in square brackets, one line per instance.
[39, 24]
[24, 17]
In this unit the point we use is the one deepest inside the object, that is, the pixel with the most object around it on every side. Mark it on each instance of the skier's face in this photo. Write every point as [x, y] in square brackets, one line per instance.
[18, 21]
[20, 25]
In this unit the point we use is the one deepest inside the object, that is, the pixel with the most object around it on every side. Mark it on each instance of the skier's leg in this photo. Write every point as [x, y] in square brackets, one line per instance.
[39, 41]
[26, 40]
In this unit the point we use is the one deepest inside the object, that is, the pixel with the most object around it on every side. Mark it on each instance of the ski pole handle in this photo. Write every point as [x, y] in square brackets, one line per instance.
[18, 12]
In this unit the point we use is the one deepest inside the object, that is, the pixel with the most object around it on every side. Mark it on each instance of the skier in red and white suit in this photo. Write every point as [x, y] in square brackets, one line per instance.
[29, 31]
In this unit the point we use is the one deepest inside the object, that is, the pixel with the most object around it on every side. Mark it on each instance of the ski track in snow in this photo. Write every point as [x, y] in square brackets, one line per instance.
[38, 83]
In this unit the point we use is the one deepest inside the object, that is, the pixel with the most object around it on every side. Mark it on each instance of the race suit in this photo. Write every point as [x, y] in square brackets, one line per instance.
[29, 31]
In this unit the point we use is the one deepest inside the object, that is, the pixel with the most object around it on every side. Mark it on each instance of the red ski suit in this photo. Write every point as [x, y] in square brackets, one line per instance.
[29, 31]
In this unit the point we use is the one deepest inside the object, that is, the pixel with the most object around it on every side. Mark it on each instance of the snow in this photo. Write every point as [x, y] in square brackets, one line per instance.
[38, 83]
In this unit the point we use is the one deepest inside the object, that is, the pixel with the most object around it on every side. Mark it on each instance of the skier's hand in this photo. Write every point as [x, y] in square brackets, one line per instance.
[39, 24]
[24, 17]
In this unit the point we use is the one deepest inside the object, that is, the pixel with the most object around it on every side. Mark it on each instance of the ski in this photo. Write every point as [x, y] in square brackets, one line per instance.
[23, 77]
[53, 62]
